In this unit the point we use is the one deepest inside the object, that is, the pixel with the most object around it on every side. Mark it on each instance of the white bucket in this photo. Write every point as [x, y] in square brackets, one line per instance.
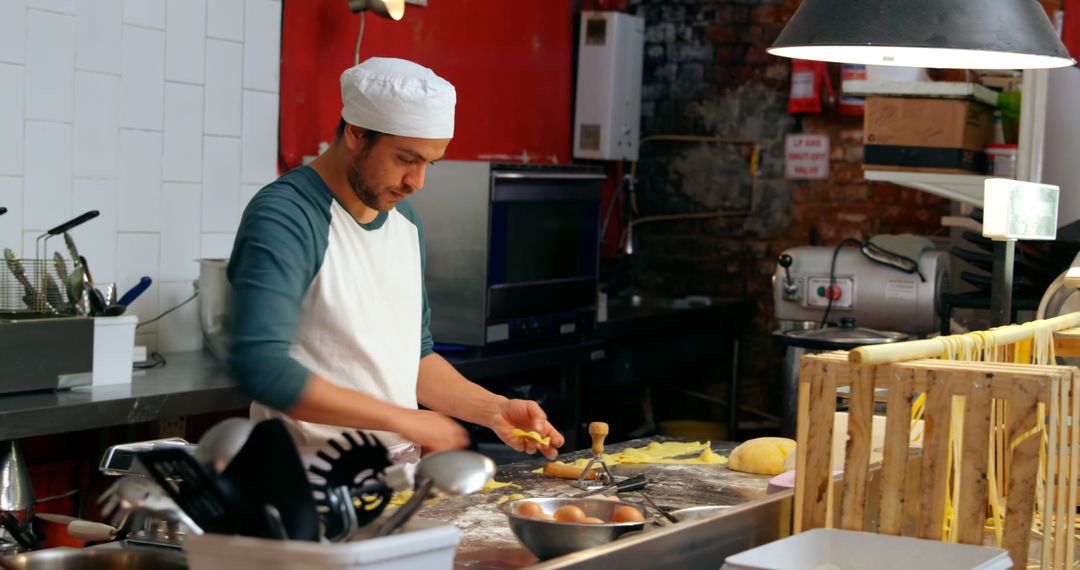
[114, 345]
[215, 305]
[1001, 160]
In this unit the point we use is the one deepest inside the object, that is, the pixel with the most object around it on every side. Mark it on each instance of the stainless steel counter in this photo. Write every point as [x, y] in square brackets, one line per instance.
[191, 383]
[488, 544]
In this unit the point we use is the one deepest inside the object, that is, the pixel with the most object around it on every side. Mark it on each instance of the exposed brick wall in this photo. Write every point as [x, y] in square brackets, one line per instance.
[707, 73]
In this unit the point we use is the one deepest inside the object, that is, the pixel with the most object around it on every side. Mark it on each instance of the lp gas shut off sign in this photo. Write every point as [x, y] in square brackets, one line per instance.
[806, 157]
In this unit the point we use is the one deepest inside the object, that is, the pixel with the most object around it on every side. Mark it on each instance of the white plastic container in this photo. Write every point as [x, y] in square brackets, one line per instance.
[114, 343]
[1001, 160]
[849, 550]
[423, 544]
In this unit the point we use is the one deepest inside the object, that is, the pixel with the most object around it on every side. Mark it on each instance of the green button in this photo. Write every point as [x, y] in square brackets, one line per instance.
[821, 291]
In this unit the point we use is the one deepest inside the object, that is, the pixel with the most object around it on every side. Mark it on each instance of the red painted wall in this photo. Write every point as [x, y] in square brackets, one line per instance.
[1070, 33]
[511, 62]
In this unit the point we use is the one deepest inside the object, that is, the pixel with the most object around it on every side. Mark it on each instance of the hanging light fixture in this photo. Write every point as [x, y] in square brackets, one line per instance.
[393, 9]
[955, 34]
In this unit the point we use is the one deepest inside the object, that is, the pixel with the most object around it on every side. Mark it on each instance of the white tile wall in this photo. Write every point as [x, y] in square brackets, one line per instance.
[11, 197]
[153, 112]
[224, 95]
[221, 184]
[217, 246]
[180, 231]
[13, 31]
[65, 6]
[258, 164]
[147, 13]
[262, 22]
[31, 244]
[97, 115]
[96, 239]
[47, 194]
[139, 209]
[185, 40]
[247, 192]
[50, 65]
[99, 36]
[225, 20]
[143, 86]
[174, 330]
[12, 116]
[183, 132]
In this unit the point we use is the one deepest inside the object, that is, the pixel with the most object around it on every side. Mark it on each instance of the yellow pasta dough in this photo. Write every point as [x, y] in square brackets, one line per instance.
[656, 453]
[762, 455]
[532, 435]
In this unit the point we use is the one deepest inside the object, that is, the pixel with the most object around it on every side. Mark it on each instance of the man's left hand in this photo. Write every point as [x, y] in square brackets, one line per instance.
[526, 415]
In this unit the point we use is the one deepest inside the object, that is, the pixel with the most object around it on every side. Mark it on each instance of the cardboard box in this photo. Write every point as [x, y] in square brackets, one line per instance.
[934, 123]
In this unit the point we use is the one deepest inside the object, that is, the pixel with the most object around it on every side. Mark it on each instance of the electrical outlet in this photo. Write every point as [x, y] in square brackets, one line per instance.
[172, 427]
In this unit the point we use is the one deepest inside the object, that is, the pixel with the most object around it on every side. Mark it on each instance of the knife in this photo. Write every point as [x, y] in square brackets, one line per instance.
[72, 250]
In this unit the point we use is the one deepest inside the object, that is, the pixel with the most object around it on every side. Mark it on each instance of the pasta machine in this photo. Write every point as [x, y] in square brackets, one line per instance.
[876, 293]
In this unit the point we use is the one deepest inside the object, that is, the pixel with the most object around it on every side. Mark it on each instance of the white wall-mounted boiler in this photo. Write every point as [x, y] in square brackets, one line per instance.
[607, 115]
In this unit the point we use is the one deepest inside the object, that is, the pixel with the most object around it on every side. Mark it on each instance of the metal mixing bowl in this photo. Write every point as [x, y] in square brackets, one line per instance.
[95, 559]
[548, 539]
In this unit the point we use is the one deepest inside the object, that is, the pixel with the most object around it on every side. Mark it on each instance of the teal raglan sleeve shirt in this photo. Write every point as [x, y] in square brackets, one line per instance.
[279, 249]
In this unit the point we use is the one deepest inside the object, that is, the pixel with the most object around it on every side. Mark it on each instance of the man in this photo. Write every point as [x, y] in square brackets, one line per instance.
[331, 317]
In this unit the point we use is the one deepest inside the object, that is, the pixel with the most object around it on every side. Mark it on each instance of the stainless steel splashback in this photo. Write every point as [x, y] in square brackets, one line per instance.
[452, 207]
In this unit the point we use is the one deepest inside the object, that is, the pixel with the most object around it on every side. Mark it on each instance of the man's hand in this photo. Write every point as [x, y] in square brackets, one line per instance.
[526, 415]
[432, 431]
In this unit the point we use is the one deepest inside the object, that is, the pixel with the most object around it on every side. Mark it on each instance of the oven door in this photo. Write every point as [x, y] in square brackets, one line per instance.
[543, 250]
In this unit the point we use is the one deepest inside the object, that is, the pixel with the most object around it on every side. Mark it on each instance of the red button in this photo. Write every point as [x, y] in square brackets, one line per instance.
[833, 292]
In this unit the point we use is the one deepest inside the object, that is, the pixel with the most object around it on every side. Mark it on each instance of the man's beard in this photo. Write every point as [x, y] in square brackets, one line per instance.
[369, 195]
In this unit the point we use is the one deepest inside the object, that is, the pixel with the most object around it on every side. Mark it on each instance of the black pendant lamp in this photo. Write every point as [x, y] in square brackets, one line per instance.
[956, 34]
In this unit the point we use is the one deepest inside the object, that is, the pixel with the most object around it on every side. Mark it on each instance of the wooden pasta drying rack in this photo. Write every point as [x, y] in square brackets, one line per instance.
[1028, 390]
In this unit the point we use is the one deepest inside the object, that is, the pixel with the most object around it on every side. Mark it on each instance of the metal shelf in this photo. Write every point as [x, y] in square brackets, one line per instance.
[967, 188]
[943, 89]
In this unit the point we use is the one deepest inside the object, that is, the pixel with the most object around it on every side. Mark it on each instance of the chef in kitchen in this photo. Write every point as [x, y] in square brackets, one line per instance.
[330, 328]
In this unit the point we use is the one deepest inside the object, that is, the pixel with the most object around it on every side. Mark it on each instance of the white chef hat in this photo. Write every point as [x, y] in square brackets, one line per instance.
[398, 97]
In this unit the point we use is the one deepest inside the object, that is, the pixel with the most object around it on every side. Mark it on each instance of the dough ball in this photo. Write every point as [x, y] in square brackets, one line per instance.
[627, 514]
[762, 455]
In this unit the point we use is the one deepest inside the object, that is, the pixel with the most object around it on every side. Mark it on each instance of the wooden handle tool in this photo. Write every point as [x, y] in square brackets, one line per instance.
[598, 431]
[563, 471]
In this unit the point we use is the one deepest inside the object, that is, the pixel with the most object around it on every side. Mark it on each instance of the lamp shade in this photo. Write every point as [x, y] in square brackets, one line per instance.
[959, 34]
[393, 9]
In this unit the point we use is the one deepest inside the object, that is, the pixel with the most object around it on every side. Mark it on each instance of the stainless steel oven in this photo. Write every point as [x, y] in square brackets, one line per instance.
[511, 250]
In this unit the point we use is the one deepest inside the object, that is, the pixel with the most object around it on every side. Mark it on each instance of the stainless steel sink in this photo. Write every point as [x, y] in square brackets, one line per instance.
[95, 559]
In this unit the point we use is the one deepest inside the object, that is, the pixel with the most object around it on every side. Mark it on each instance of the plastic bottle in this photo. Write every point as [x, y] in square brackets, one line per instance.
[999, 131]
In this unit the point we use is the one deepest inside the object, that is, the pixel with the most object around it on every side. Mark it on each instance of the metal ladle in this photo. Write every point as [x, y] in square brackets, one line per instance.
[452, 472]
[222, 442]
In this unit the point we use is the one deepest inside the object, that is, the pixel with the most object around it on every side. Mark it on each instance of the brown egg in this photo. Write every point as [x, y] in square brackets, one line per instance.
[627, 514]
[544, 517]
[592, 520]
[569, 513]
[529, 509]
